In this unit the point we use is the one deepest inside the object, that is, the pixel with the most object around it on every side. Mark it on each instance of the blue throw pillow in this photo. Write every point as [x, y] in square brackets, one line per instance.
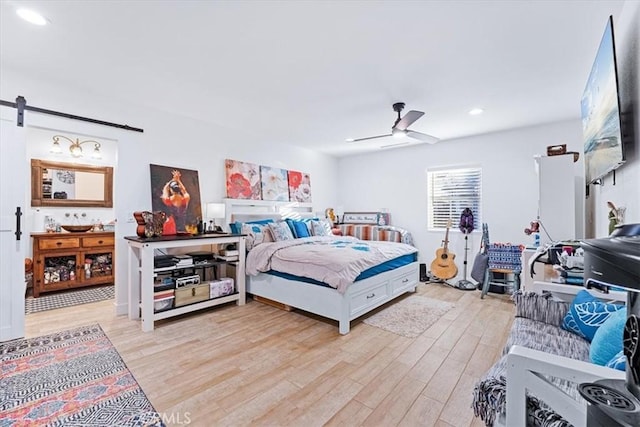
[607, 341]
[299, 228]
[586, 314]
[236, 227]
[619, 362]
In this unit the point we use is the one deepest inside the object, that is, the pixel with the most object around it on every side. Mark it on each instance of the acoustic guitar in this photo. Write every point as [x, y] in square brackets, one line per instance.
[444, 267]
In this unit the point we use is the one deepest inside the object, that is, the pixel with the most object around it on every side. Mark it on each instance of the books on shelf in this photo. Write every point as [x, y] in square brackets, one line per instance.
[183, 260]
[227, 258]
[229, 252]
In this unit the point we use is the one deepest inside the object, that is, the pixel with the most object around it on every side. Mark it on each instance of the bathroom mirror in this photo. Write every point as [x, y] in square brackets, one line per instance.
[71, 184]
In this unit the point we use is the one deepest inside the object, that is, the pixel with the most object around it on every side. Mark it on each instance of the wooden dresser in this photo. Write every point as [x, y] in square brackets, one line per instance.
[72, 260]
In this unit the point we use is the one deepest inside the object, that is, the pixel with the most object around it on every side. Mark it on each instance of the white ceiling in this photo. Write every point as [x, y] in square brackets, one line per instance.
[313, 73]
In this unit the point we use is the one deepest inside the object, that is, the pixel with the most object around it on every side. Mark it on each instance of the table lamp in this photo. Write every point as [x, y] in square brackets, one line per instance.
[215, 211]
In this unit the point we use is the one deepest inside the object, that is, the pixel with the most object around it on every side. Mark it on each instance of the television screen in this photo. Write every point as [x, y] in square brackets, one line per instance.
[603, 149]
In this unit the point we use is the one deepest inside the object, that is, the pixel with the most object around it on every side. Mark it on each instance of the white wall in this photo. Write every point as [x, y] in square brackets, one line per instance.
[396, 179]
[168, 139]
[626, 192]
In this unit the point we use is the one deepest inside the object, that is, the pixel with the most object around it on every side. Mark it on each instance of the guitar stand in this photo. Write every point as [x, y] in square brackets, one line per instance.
[465, 284]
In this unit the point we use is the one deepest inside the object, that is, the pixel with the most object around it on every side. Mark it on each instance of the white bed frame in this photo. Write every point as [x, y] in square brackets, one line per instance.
[360, 297]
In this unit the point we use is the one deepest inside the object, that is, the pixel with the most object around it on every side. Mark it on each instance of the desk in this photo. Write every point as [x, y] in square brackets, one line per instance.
[141, 271]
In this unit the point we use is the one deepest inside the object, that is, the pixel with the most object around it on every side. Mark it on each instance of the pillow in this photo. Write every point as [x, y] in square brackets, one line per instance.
[619, 361]
[607, 341]
[236, 227]
[256, 234]
[321, 227]
[280, 231]
[299, 228]
[586, 314]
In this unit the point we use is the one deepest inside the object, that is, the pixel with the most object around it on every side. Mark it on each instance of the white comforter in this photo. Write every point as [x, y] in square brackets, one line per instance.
[336, 261]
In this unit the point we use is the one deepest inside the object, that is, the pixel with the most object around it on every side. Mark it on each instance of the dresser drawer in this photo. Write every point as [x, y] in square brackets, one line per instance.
[97, 241]
[402, 283]
[60, 243]
[363, 301]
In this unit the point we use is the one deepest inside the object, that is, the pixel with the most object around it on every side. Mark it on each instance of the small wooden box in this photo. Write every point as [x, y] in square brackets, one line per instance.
[192, 294]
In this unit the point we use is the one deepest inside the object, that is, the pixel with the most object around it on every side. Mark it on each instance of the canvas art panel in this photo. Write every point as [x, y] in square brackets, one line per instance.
[176, 192]
[243, 180]
[275, 184]
[299, 187]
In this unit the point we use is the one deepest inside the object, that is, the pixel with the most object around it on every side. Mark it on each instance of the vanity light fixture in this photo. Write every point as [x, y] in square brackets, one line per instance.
[31, 16]
[76, 147]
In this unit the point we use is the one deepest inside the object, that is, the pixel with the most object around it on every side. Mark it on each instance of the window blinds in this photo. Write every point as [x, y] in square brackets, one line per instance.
[450, 192]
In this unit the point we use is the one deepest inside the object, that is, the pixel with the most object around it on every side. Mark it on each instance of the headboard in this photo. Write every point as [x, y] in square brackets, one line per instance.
[250, 210]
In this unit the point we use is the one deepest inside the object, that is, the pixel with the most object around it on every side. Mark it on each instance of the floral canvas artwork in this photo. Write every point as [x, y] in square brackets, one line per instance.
[299, 187]
[243, 180]
[274, 184]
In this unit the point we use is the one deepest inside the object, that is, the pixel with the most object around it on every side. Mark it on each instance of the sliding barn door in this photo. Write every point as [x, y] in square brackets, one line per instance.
[13, 184]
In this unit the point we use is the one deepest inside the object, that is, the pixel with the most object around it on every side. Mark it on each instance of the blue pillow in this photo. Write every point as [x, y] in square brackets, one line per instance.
[236, 227]
[607, 341]
[586, 314]
[299, 228]
[619, 361]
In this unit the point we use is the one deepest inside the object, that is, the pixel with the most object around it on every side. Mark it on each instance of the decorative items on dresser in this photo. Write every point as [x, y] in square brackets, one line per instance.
[72, 260]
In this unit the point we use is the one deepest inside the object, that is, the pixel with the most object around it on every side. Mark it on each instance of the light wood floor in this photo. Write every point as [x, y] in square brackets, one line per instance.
[259, 365]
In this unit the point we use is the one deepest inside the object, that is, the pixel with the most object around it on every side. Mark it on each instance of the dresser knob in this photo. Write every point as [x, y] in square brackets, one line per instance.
[99, 242]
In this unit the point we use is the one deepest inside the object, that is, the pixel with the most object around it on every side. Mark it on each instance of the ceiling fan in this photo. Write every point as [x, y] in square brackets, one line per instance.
[399, 128]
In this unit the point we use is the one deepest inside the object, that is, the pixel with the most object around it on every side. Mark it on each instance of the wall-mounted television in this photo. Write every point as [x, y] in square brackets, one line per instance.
[600, 106]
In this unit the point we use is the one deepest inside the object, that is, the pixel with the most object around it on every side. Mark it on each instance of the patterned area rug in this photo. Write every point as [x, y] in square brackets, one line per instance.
[71, 378]
[68, 298]
[411, 316]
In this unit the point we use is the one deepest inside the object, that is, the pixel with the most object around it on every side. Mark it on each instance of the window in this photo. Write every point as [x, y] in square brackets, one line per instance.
[450, 192]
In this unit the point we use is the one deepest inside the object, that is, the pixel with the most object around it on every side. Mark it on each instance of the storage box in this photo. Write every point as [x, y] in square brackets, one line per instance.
[192, 294]
[162, 304]
[221, 287]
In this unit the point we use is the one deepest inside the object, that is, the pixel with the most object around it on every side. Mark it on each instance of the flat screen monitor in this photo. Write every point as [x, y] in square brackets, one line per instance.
[600, 106]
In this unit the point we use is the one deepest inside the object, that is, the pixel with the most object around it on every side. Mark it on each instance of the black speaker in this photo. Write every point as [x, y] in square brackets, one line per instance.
[423, 273]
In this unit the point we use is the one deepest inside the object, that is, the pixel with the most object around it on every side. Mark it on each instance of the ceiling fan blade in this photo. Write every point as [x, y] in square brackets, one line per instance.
[368, 138]
[422, 137]
[408, 119]
[395, 145]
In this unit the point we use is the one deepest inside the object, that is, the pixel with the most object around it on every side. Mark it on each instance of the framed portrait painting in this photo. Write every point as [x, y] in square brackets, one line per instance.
[176, 192]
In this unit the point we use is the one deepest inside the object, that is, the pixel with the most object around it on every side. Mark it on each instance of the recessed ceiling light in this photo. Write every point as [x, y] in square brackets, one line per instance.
[31, 16]
[476, 111]
[349, 139]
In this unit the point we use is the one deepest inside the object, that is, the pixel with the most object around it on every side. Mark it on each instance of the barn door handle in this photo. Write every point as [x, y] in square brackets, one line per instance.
[18, 233]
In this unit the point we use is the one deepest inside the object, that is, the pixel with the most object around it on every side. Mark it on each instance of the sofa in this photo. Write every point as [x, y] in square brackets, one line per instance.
[540, 358]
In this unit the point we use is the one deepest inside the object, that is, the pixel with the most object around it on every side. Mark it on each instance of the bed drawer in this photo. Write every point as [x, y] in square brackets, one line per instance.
[401, 283]
[363, 301]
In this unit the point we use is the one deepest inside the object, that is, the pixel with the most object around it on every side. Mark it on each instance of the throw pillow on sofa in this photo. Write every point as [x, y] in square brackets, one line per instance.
[607, 341]
[586, 314]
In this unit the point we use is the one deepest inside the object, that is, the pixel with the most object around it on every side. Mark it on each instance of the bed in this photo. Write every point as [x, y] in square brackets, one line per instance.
[359, 297]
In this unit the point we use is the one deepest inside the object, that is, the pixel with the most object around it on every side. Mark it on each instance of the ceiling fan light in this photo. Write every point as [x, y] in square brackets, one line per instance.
[397, 133]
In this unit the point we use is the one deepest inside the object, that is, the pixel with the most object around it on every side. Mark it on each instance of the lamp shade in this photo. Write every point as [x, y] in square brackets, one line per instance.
[215, 210]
